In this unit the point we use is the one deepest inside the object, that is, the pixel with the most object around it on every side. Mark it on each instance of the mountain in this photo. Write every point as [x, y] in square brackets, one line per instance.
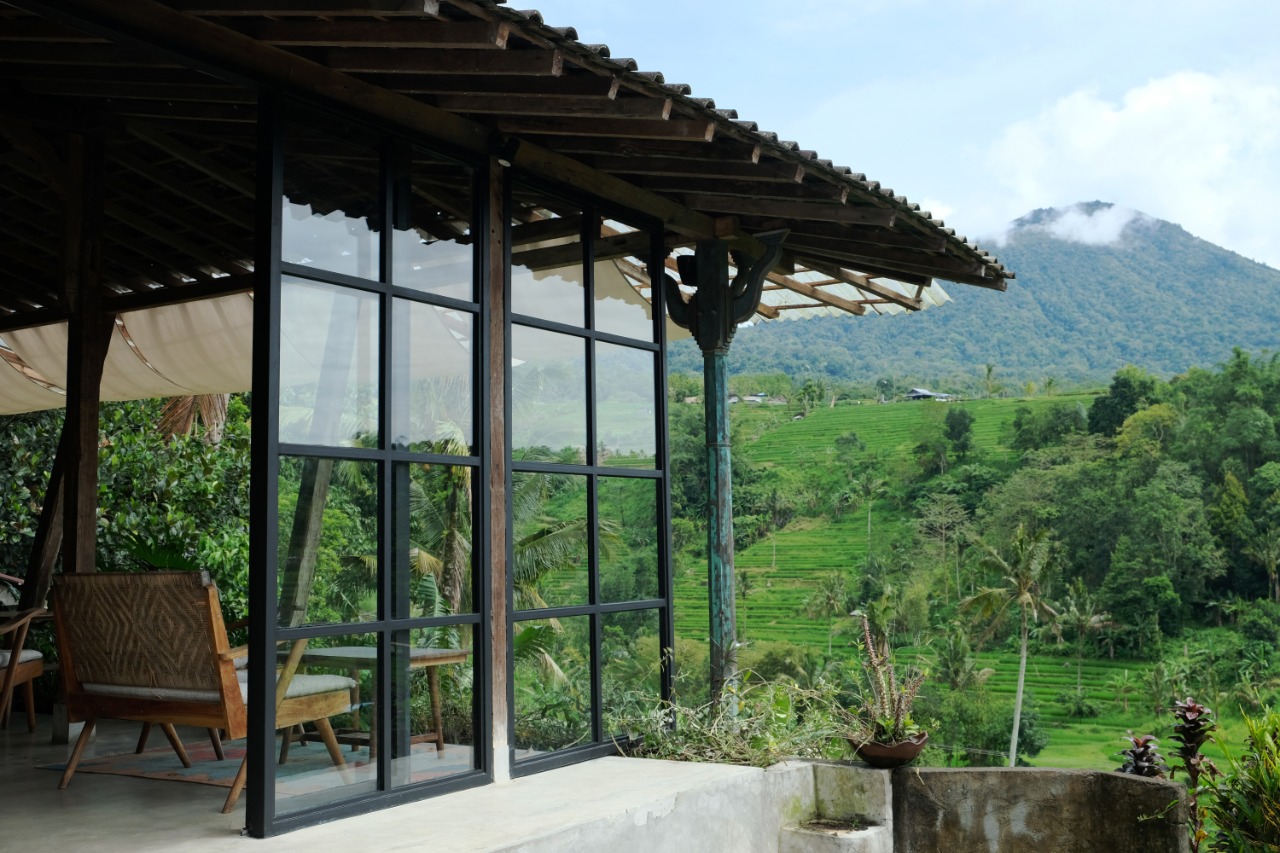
[1099, 286]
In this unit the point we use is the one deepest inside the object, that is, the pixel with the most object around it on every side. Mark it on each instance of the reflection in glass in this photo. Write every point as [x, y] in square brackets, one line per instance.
[628, 523]
[328, 514]
[432, 241]
[328, 363]
[309, 778]
[434, 577]
[552, 660]
[626, 424]
[432, 372]
[433, 685]
[630, 668]
[548, 391]
[546, 262]
[621, 281]
[551, 542]
[330, 195]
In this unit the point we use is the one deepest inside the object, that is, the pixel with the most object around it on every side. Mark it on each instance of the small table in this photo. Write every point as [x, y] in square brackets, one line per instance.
[357, 658]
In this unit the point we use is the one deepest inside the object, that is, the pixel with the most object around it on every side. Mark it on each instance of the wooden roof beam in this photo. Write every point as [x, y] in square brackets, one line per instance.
[817, 294]
[564, 86]
[309, 8]
[821, 211]
[195, 159]
[206, 45]
[535, 105]
[868, 284]
[465, 35]
[673, 167]
[534, 61]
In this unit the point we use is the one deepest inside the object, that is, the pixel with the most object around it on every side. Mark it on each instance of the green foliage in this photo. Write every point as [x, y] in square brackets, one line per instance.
[1047, 425]
[884, 705]
[959, 430]
[29, 444]
[1143, 758]
[1131, 389]
[1244, 805]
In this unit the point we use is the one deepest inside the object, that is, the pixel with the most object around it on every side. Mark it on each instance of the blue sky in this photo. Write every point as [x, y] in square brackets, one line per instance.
[982, 110]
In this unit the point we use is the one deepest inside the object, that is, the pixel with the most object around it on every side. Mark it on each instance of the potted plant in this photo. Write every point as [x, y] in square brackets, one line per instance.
[881, 731]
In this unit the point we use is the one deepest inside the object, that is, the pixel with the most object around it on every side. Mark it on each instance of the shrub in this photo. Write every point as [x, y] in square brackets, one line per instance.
[1245, 804]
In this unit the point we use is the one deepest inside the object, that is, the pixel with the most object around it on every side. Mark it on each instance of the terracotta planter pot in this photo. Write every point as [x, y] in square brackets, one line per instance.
[886, 755]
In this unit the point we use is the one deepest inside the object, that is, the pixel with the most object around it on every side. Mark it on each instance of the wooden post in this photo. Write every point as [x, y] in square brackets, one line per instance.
[89, 330]
[495, 320]
[713, 314]
[48, 541]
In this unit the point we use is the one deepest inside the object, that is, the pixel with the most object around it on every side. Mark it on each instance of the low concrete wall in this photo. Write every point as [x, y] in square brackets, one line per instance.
[1035, 810]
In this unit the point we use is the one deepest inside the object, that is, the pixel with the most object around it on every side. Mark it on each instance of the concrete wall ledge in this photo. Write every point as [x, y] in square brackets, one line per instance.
[1037, 810]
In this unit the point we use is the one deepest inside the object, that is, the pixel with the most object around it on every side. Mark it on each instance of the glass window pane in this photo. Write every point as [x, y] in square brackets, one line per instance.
[631, 667]
[621, 280]
[626, 423]
[433, 725]
[328, 364]
[628, 513]
[433, 569]
[433, 243]
[432, 374]
[550, 546]
[546, 260]
[552, 661]
[328, 557]
[548, 393]
[335, 681]
[330, 198]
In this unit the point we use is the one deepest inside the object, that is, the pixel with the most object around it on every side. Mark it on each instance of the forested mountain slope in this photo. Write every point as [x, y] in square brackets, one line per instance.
[1081, 307]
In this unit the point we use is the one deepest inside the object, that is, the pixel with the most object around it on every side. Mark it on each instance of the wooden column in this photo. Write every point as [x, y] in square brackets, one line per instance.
[48, 541]
[495, 322]
[89, 331]
[712, 314]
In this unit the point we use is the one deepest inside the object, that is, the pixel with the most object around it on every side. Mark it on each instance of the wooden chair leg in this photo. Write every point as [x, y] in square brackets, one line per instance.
[437, 718]
[237, 786]
[335, 751]
[216, 740]
[142, 738]
[171, 733]
[31, 707]
[286, 736]
[74, 760]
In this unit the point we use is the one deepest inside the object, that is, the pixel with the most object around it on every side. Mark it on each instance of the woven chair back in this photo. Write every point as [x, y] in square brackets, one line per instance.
[148, 630]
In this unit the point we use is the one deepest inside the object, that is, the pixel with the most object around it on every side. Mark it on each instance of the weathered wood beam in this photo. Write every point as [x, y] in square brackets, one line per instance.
[821, 211]
[725, 150]
[204, 44]
[817, 293]
[536, 62]
[770, 171]
[605, 248]
[766, 192]
[695, 129]
[89, 336]
[309, 8]
[49, 530]
[546, 229]
[931, 242]
[40, 30]
[450, 35]
[138, 90]
[534, 105]
[240, 217]
[565, 86]
[867, 284]
[104, 55]
[942, 266]
[811, 259]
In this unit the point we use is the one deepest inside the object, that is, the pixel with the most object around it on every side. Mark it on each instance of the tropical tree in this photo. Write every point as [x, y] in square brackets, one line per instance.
[1123, 686]
[1025, 568]
[1264, 549]
[831, 601]
[1082, 616]
[870, 487]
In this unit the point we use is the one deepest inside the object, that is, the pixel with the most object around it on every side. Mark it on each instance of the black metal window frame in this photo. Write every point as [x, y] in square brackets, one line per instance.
[262, 819]
[592, 211]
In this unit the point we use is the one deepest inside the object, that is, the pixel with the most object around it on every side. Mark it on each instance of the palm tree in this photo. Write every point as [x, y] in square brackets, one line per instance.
[1082, 616]
[1024, 569]
[829, 601]
[1124, 686]
[870, 488]
[1264, 548]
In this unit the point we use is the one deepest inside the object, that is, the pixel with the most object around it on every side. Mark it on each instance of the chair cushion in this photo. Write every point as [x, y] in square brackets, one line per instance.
[26, 656]
[302, 685]
[171, 694]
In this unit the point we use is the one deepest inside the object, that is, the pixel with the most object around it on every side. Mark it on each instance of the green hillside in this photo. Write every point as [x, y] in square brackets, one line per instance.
[1158, 297]
[785, 568]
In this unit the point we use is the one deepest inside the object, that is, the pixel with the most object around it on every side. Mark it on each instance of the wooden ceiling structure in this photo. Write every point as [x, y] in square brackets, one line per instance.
[173, 88]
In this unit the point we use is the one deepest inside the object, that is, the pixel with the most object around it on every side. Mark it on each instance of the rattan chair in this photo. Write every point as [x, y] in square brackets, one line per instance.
[19, 665]
[152, 647]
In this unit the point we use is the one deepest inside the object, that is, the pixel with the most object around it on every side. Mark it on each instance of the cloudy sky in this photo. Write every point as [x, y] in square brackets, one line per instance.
[982, 110]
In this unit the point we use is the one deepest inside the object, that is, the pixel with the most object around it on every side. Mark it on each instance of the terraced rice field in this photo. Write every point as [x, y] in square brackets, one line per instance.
[785, 568]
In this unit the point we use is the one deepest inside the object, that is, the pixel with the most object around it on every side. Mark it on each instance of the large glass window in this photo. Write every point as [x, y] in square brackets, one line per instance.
[588, 526]
[376, 487]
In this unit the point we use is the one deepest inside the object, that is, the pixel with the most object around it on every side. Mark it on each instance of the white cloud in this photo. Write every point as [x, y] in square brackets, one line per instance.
[1196, 149]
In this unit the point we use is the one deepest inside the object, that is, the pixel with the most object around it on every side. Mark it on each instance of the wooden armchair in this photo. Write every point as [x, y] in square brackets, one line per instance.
[152, 647]
[19, 665]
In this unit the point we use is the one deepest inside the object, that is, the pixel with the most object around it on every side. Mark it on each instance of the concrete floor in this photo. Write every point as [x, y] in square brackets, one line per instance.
[115, 813]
